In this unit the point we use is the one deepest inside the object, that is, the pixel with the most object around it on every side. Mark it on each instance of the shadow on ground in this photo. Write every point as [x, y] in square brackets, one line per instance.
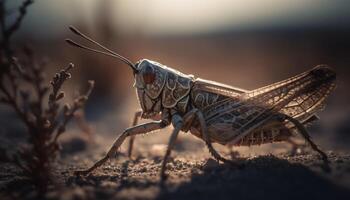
[264, 177]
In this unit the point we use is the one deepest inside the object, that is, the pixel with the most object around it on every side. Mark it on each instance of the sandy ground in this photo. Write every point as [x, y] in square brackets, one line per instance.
[192, 174]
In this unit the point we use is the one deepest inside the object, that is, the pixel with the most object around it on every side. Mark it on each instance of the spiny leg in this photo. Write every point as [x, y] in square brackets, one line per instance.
[140, 129]
[307, 137]
[177, 123]
[296, 147]
[132, 138]
[185, 123]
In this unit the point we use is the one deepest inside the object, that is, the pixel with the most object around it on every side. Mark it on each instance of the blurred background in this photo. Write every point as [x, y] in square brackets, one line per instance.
[246, 44]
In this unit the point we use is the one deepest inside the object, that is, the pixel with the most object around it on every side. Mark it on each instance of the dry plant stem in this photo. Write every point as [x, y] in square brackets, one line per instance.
[69, 112]
[42, 119]
[10, 94]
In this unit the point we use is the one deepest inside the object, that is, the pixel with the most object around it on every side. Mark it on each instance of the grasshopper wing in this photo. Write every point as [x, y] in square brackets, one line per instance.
[300, 96]
[231, 117]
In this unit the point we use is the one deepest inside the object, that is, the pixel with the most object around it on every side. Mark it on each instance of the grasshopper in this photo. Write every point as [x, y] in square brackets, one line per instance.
[219, 113]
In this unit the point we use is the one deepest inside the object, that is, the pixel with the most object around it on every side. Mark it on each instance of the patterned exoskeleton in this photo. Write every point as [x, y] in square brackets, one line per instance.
[219, 113]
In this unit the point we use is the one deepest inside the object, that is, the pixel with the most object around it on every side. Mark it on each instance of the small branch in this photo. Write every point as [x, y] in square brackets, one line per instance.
[43, 121]
[57, 83]
[56, 95]
[6, 51]
[68, 112]
[22, 12]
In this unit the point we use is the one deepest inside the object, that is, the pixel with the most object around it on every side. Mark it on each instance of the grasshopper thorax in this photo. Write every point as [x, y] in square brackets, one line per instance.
[159, 87]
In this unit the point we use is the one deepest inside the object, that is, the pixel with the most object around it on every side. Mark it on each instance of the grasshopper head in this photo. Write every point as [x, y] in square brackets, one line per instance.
[150, 78]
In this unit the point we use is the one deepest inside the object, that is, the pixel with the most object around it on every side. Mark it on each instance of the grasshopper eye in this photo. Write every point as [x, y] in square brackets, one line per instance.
[149, 76]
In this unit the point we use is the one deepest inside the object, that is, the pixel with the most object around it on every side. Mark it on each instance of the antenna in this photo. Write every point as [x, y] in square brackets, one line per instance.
[108, 53]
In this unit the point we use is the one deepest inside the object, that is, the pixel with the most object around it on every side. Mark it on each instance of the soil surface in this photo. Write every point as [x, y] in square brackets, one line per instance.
[192, 175]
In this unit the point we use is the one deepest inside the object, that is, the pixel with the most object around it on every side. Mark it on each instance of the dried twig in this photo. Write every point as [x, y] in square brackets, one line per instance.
[45, 121]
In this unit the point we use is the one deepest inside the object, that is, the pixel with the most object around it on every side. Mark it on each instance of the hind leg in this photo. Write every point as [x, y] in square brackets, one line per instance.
[305, 134]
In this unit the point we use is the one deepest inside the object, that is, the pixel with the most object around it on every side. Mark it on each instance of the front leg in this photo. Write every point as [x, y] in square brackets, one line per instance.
[132, 138]
[137, 117]
[136, 130]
